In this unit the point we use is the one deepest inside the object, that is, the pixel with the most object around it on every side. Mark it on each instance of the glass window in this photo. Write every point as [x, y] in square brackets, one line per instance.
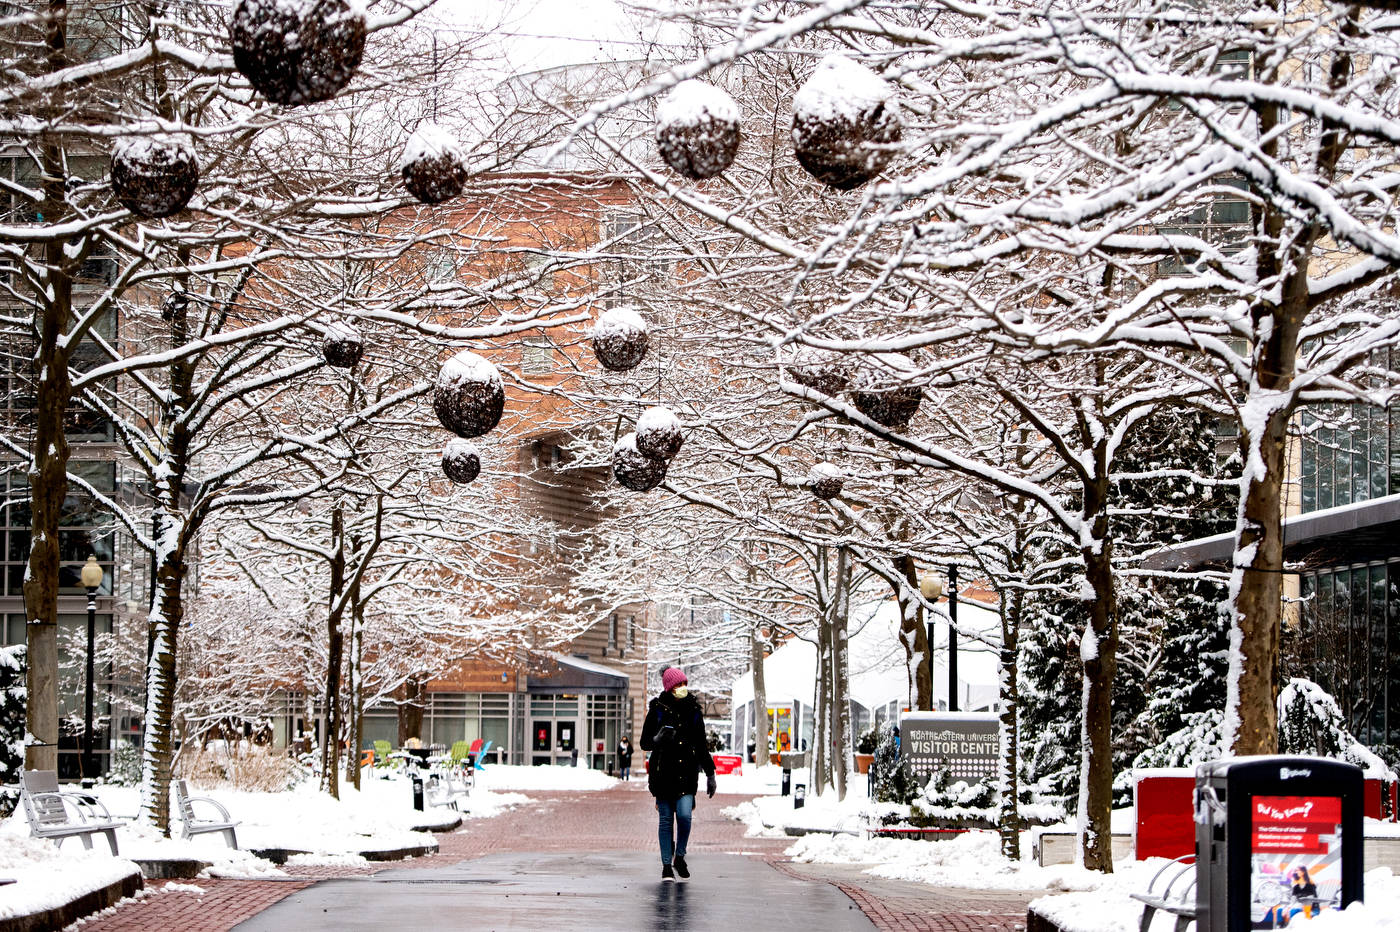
[537, 356]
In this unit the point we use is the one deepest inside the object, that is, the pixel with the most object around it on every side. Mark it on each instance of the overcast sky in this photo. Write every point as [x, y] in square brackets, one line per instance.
[543, 33]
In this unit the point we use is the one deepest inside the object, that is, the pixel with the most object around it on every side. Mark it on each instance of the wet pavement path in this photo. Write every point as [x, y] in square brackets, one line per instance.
[600, 890]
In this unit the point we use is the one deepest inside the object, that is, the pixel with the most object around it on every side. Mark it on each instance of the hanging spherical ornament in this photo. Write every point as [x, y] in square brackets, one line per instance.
[844, 123]
[434, 166]
[620, 339]
[634, 469]
[659, 433]
[469, 396]
[297, 52]
[826, 480]
[461, 461]
[342, 345]
[154, 176]
[697, 129]
[828, 373]
[889, 407]
[177, 302]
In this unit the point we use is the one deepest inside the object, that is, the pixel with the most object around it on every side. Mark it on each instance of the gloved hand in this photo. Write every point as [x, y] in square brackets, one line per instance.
[710, 786]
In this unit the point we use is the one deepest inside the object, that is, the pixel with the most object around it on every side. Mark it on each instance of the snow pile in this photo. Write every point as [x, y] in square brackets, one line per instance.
[327, 860]
[509, 777]
[1381, 911]
[697, 129]
[619, 339]
[47, 877]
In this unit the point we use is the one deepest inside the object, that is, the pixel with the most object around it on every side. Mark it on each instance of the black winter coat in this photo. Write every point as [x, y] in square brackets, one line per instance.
[678, 756]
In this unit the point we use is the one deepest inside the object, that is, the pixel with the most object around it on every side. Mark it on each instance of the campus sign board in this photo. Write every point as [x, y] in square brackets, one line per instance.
[966, 744]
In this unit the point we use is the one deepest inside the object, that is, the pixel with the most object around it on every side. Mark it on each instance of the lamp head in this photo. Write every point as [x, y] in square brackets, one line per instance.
[91, 574]
[931, 586]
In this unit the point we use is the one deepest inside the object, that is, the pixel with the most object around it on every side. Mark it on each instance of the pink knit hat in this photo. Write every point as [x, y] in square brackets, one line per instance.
[671, 677]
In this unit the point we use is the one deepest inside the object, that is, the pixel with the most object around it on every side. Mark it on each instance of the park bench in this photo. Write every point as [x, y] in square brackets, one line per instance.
[194, 825]
[1182, 904]
[56, 814]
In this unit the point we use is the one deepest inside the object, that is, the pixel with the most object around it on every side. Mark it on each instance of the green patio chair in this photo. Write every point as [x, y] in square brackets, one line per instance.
[382, 750]
[461, 750]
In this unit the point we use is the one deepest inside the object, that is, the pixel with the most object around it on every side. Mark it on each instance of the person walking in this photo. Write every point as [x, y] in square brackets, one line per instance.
[674, 733]
[624, 757]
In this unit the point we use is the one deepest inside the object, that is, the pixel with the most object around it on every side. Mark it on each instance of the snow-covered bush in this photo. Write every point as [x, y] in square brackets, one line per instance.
[469, 396]
[297, 52]
[844, 123]
[342, 345]
[154, 177]
[868, 740]
[620, 339]
[12, 697]
[697, 129]
[434, 167]
[635, 470]
[1309, 722]
[892, 782]
[1197, 742]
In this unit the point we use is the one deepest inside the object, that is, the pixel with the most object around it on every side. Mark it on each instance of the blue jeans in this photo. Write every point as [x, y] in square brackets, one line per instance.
[678, 810]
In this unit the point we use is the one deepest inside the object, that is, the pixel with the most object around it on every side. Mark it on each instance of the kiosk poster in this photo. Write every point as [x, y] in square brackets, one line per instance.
[1295, 858]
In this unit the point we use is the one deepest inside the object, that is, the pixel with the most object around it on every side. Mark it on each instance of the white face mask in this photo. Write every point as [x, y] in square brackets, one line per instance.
[680, 692]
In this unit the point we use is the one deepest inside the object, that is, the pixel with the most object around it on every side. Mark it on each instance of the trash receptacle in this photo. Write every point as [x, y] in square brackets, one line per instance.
[1276, 838]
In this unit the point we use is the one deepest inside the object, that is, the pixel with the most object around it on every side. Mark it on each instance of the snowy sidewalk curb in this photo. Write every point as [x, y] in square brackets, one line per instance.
[81, 906]
[281, 855]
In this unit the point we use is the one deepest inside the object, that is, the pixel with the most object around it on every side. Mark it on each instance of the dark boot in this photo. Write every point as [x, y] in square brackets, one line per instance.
[682, 869]
[667, 873]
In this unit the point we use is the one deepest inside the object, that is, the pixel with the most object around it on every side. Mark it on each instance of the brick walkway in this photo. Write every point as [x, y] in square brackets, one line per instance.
[620, 819]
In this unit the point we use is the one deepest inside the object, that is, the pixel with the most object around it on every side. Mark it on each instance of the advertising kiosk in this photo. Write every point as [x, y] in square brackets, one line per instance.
[1277, 839]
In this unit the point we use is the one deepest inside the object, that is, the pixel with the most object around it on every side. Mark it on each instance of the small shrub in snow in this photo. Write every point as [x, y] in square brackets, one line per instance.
[342, 346]
[461, 461]
[1196, 742]
[154, 177]
[125, 768]
[434, 167]
[634, 469]
[659, 433]
[844, 123]
[828, 373]
[298, 52]
[868, 740]
[826, 480]
[697, 129]
[620, 339]
[469, 396]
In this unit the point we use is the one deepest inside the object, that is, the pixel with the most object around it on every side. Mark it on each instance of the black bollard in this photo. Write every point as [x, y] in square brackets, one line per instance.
[799, 797]
[787, 781]
[418, 792]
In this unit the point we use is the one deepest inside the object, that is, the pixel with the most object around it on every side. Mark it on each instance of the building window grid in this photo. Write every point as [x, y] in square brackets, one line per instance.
[1347, 453]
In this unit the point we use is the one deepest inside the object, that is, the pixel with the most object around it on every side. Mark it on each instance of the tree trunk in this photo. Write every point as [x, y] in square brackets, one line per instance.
[411, 710]
[1099, 650]
[48, 470]
[841, 760]
[159, 749]
[914, 634]
[335, 646]
[355, 699]
[760, 698]
[1009, 819]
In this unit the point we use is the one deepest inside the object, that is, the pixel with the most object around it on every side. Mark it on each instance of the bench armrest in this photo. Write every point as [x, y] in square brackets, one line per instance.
[86, 807]
[213, 802]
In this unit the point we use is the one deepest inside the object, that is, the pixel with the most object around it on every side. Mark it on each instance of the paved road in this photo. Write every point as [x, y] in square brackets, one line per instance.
[572, 860]
[563, 891]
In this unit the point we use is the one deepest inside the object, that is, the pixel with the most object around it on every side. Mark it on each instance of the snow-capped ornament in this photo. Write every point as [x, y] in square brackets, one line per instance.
[620, 339]
[659, 433]
[697, 129]
[889, 407]
[844, 123]
[342, 345]
[826, 480]
[297, 52]
[828, 373]
[634, 469]
[461, 461]
[177, 302]
[434, 165]
[469, 396]
[154, 176]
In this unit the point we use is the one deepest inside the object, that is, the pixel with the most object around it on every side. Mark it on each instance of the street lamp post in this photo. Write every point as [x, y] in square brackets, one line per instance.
[932, 589]
[91, 579]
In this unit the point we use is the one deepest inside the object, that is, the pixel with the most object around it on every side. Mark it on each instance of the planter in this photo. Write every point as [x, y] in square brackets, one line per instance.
[863, 762]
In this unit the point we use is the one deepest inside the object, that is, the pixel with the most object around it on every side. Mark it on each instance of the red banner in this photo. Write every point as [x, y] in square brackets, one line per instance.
[1294, 824]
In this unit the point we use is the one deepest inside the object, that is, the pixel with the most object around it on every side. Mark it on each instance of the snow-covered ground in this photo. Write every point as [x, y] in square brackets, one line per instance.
[510, 777]
[46, 876]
